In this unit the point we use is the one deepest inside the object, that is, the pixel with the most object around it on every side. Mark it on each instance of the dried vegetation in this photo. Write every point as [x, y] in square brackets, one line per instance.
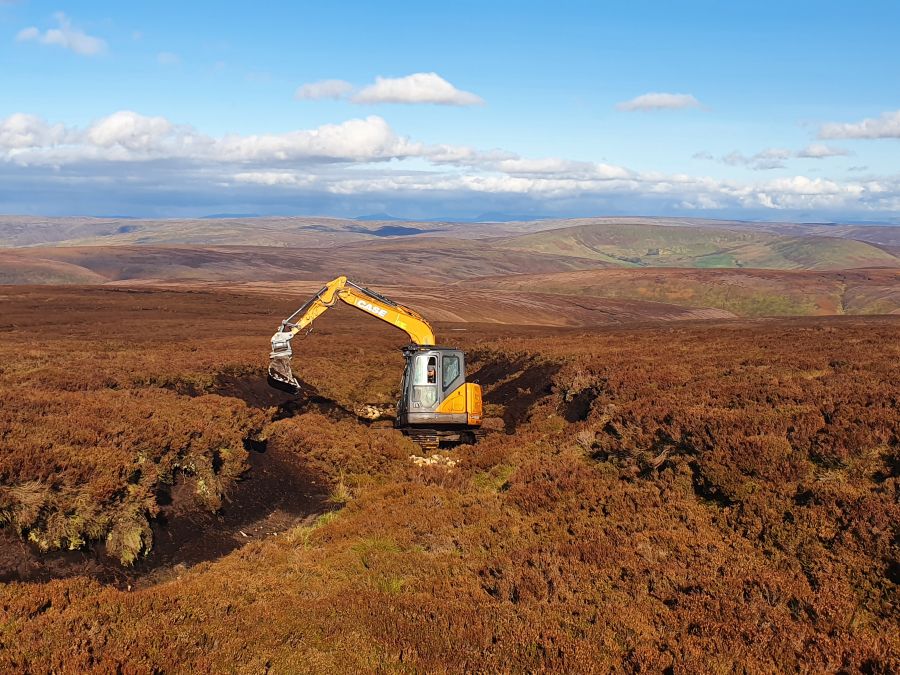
[710, 497]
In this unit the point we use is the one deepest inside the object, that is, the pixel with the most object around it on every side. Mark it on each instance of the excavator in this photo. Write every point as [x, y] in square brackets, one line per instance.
[437, 406]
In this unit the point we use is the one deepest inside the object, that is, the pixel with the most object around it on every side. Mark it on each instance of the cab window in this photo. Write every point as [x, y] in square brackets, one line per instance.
[424, 390]
[425, 371]
[449, 369]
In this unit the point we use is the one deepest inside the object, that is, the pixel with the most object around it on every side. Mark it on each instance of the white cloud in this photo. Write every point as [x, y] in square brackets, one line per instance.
[20, 131]
[66, 36]
[275, 178]
[315, 91]
[168, 59]
[679, 191]
[775, 158]
[659, 101]
[770, 158]
[415, 88]
[800, 192]
[358, 140]
[360, 157]
[130, 136]
[885, 126]
[129, 130]
[821, 151]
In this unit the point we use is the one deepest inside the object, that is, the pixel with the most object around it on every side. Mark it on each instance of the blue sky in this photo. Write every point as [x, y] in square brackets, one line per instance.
[744, 109]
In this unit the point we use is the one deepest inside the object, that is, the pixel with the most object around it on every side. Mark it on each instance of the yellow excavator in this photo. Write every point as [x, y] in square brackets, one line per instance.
[436, 403]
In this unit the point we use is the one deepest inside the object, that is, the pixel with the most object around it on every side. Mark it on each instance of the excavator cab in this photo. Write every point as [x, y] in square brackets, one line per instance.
[434, 389]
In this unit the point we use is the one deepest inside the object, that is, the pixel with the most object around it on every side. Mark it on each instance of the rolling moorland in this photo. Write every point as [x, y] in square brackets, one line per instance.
[585, 271]
[693, 464]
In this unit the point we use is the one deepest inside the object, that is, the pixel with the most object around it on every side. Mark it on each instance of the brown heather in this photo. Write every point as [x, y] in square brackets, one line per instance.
[705, 498]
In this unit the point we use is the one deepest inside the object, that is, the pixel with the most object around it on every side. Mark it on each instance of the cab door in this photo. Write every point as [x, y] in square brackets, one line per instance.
[453, 374]
[424, 387]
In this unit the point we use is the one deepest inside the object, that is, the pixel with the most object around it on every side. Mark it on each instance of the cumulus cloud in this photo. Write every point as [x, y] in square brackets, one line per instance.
[415, 88]
[146, 156]
[678, 191]
[358, 140]
[885, 126]
[659, 101]
[130, 136]
[315, 91]
[130, 131]
[65, 35]
[20, 131]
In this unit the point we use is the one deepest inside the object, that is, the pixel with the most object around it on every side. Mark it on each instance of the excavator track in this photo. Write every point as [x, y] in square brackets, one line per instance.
[431, 439]
[427, 439]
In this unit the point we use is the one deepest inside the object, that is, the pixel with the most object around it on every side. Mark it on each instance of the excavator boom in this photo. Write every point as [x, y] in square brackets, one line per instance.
[359, 297]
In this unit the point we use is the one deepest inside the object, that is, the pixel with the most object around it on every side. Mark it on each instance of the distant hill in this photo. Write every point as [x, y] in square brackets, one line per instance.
[241, 249]
[500, 217]
[392, 231]
[301, 231]
[620, 241]
[653, 245]
[18, 269]
[377, 260]
[379, 217]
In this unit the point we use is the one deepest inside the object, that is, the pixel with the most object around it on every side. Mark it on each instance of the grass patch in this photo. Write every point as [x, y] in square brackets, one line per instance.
[494, 480]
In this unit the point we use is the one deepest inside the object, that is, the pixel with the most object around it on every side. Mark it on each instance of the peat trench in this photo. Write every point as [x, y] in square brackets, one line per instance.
[276, 493]
[520, 384]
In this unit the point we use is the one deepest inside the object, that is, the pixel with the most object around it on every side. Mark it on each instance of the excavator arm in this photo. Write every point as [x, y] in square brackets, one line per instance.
[404, 318]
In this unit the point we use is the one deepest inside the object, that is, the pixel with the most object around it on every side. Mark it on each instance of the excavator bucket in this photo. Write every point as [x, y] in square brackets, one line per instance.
[280, 374]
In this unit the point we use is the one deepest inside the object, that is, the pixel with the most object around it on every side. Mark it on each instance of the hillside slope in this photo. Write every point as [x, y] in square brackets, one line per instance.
[650, 245]
[515, 286]
[744, 292]
[422, 262]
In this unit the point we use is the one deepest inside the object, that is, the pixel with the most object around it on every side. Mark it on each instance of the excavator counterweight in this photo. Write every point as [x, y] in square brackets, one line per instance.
[436, 405]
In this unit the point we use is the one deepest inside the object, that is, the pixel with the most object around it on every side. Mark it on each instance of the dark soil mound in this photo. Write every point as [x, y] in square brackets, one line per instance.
[275, 494]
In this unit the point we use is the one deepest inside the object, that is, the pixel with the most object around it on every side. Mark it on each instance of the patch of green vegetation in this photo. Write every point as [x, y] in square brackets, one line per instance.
[326, 518]
[301, 535]
[493, 480]
[340, 493]
[390, 584]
